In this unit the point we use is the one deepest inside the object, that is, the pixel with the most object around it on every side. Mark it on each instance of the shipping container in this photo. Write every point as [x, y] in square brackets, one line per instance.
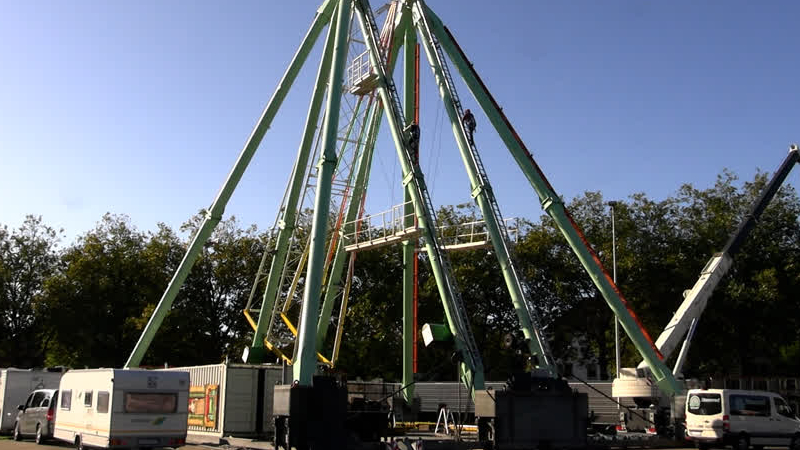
[16, 384]
[230, 400]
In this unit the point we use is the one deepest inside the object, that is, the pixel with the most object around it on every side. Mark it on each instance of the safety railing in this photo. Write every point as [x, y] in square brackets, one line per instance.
[383, 228]
[390, 226]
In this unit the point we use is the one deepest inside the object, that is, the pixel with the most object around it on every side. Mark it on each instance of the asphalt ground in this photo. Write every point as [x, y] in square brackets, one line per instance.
[6, 443]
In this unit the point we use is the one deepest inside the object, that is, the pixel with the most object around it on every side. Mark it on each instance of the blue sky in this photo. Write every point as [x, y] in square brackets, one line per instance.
[142, 107]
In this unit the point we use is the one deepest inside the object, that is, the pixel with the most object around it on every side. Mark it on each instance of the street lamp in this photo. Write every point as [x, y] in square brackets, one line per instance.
[613, 204]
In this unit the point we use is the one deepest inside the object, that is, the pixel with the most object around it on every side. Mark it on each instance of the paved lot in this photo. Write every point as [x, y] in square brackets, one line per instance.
[7, 444]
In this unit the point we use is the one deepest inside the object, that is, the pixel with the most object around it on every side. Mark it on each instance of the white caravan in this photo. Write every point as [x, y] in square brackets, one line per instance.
[719, 417]
[16, 384]
[112, 408]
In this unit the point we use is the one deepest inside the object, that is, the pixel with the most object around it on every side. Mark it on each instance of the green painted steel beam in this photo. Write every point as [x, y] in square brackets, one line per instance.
[304, 367]
[471, 368]
[484, 196]
[287, 221]
[555, 208]
[409, 246]
[214, 214]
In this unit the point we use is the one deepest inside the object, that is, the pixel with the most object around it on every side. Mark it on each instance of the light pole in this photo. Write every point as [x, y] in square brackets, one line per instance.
[613, 204]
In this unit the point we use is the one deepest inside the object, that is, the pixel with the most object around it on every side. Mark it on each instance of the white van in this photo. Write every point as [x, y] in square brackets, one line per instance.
[719, 417]
[112, 408]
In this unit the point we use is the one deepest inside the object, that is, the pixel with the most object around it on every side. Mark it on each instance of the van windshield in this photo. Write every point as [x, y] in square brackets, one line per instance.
[136, 402]
[704, 404]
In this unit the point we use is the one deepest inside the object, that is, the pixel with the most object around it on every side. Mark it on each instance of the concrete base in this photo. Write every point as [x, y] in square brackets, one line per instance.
[310, 416]
[531, 413]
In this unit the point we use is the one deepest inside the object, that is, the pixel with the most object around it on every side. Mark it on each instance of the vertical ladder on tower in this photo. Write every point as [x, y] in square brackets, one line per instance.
[395, 112]
[483, 180]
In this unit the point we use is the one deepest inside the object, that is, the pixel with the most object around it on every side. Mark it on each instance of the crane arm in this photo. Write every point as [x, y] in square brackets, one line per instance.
[695, 300]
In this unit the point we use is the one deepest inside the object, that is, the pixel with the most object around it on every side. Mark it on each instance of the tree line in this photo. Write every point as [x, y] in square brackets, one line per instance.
[85, 303]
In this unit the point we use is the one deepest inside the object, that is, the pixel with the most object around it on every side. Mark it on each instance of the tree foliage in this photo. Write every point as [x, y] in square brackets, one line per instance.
[28, 257]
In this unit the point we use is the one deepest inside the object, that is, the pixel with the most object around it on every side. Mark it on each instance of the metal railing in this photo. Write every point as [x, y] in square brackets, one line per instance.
[359, 70]
[383, 228]
[390, 226]
[471, 235]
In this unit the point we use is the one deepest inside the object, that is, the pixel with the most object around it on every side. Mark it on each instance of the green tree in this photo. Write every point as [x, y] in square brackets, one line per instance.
[105, 280]
[206, 323]
[28, 256]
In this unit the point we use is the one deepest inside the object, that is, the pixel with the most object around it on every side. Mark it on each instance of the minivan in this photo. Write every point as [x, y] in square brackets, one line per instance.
[740, 418]
[35, 417]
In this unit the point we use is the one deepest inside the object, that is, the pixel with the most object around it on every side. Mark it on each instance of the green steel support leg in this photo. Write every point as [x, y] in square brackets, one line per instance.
[217, 208]
[482, 192]
[337, 266]
[287, 221]
[304, 367]
[409, 246]
[552, 204]
[471, 368]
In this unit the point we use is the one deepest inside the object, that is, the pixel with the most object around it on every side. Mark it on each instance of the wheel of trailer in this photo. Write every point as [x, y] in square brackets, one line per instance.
[79, 443]
[17, 434]
[742, 442]
[39, 437]
[795, 445]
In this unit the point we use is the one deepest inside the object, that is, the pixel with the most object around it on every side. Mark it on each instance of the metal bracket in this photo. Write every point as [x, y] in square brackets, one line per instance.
[477, 191]
[549, 202]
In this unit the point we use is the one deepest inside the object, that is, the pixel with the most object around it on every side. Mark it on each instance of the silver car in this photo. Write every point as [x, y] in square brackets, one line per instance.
[37, 416]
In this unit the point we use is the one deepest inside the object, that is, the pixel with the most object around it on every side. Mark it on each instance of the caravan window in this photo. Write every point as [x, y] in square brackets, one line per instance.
[102, 402]
[87, 399]
[140, 402]
[66, 400]
[750, 405]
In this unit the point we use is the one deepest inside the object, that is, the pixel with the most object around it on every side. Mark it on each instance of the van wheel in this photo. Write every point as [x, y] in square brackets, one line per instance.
[795, 442]
[17, 434]
[742, 442]
[79, 443]
[39, 437]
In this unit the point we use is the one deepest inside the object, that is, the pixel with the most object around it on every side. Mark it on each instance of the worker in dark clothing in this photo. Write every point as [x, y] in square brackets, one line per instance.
[413, 138]
[469, 124]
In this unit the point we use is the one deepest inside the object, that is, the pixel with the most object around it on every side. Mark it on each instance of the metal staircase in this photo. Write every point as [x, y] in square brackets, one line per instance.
[486, 188]
[395, 114]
